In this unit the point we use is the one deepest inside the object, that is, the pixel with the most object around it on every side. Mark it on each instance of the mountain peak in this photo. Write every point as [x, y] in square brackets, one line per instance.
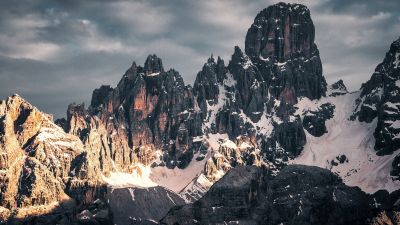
[379, 99]
[281, 43]
[16, 101]
[337, 88]
[153, 65]
[211, 59]
[281, 31]
[239, 57]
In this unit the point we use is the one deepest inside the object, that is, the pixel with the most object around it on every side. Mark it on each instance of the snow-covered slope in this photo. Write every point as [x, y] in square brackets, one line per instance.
[348, 147]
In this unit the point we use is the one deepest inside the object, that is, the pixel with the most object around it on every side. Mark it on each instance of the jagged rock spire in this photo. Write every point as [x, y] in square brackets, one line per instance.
[281, 43]
[153, 65]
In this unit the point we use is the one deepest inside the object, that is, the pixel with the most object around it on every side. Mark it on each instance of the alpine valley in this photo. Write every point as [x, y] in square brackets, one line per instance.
[260, 139]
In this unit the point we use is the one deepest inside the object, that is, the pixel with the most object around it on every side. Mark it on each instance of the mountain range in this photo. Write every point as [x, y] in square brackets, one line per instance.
[262, 139]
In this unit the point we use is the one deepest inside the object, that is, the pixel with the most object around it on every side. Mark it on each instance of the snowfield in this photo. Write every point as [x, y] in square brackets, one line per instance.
[177, 179]
[353, 139]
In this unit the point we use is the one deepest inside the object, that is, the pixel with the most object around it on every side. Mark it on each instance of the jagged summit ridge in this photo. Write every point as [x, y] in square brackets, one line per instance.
[269, 106]
[150, 109]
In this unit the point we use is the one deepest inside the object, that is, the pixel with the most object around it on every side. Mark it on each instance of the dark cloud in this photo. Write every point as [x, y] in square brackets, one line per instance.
[360, 7]
[54, 52]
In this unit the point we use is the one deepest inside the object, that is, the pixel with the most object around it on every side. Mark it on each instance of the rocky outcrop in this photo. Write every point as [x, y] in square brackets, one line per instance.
[395, 172]
[380, 99]
[228, 200]
[38, 160]
[314, 121]
[337, 88]
[386, 218]
[97, 212]
[296, 195]
[141, 206]
[231, 154]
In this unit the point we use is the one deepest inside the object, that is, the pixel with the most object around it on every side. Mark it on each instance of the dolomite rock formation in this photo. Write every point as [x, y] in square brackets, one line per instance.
[149, 110]
[380, 98]
[281, 43]
[257, 110]
[38, 161]
[254, 96]
[314, 121]
[152, 117]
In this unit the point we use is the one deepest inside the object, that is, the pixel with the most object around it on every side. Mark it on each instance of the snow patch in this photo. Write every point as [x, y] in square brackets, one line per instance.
[153, 74]
[396, 62]
[177, 179]
[398, 83]
[140, 177]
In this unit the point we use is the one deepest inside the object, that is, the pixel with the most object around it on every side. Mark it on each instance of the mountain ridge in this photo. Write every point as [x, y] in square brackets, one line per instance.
[269, 107]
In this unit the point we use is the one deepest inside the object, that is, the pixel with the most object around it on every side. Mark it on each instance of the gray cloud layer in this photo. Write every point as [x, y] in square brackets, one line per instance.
[56, 52]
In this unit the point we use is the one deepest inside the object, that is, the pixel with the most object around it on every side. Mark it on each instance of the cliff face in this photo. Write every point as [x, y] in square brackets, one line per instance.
[254, 96]
[38, 159]
[281, 43]
[269, 106]
[380, 99]
[150, 114]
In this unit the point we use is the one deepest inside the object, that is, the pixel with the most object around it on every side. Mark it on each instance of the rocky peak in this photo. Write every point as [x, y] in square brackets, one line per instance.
[386, 72]
[280, 32]
[239, 59]
[150, 111]
[100, 94]
[337, 88]
[153, 65]
[281, 43]
[380, 98]
[208, 81]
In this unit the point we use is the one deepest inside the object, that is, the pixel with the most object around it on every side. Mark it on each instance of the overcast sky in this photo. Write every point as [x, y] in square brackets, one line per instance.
[56, 52]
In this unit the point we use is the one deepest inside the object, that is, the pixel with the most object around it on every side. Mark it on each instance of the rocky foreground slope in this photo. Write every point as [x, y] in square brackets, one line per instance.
[296, 195]
[153, 139]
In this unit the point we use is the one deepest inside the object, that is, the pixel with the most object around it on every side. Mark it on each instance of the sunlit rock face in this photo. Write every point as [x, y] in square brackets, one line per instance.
[149, 110]
[38, 159]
